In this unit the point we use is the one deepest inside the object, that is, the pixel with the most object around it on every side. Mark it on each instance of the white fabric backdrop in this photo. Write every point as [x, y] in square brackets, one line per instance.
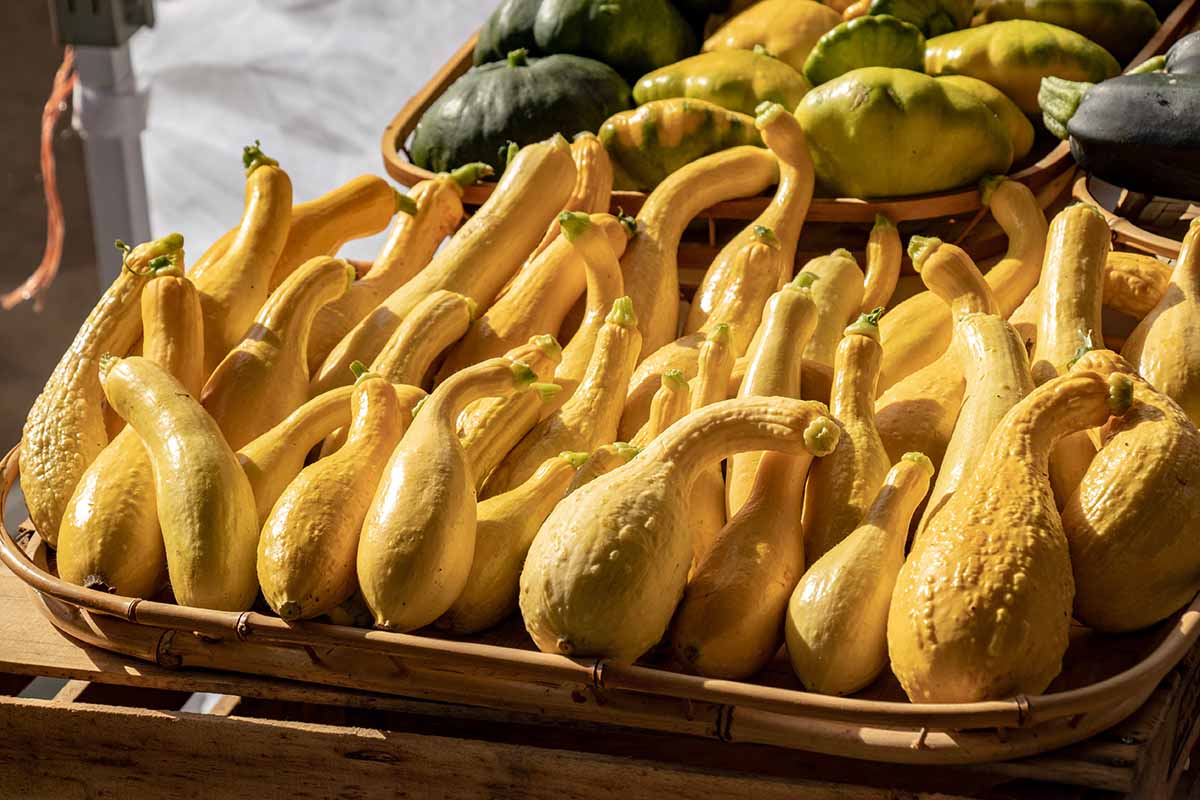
[315, 80]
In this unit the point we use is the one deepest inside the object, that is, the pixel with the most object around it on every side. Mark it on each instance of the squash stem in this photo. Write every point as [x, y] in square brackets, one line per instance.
[921, 460]
[518, 57]
[920, 248]
[762, 233]
[574, 458]
[548, 345]
[546, 391]
[673, 379]
[622, 313]
[523, 375]
[988, 186]
[821, 436]
[405, 204]
[574, 224]
[1059, 100]
[472, 173]
[1120, 393]
[720, 334]
[804, 280]
[253, 157]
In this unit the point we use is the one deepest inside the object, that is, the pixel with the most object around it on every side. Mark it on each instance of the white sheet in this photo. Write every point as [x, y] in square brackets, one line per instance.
[315, 80]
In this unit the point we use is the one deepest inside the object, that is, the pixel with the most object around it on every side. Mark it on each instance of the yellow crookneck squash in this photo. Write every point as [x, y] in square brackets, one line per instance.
[589, 418]
[434, 325]
[541, 294]
[505, 528]
[490, 428]
[707, 516]
[918, 414]
[418, 538]
[649, 265]
[234, 285]
[1134, 283]
[478, 260]
[1070, 301]
[788, 322]
[109, 538]
[428, 214]
[784, 216]
[753, 278]
[601, 461]
[917, 332]
[65, 429]
[671, 401]
[265, 377]
[610, 563]
[204, 500]
[308, 544]
[885, 253]
[1164, 345]
[1132, 524]
[836, 621]
[838, 294]
[843, 485]
[982, 607]
[993, 361]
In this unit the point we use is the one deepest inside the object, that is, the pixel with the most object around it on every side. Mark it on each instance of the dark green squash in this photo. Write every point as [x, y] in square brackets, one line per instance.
[517, 100]
[631, 36]
[510, 27]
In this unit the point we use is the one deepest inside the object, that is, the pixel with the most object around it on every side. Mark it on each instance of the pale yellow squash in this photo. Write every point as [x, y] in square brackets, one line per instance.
[671, 401]
[885, 253]
[706, 517]
[838, 294]
[603, 460]
[434, 325]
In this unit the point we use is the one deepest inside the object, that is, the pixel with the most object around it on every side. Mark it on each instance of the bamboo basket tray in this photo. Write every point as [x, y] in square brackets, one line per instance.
[502, 671]
[1165, 220]
[1050, 160]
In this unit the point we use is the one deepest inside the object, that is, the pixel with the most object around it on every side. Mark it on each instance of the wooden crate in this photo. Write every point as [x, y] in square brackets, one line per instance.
[115, 731]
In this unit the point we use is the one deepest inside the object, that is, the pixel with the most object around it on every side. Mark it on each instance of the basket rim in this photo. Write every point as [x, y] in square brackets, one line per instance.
[1022, 711]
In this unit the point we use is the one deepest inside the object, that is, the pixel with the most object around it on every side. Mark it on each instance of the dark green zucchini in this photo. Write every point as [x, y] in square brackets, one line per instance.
[631, 36]
[517, 100]
[1184, 56]
[510, 27]
[1134, 131]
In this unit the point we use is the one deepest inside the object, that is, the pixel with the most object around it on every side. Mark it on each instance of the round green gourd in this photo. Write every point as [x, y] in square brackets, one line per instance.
[631, 36]
[873, 41]
[883, 132]
[1121, 27]
[736, 79]
[510, 27]
[650, 142]
[933, 17]
[517, 100]
[1015, 55]
[1020, 129]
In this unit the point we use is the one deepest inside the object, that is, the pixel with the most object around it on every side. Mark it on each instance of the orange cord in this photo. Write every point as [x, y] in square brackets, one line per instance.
[41, 279]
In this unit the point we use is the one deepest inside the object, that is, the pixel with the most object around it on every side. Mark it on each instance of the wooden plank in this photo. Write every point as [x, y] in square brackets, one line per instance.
[91, 751]
[71, 691]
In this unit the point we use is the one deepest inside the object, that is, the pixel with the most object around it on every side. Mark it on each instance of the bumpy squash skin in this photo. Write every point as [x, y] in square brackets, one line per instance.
[843, 485]
[789, 320]
[590, 417]
[1121, 27]
[871, 41]
[490, 428]
[933, 17]
[205, 503]
[917, 331]
[265, 377]
[1134, 283]
[409, 247]
[995, 365]
[836, 623]
[477, 261]
[234, 287]
[1015, 55]
[739, 80]
[671, 401]
[308, 544]
[654, 140]
[522, 100]
[788, 29]
[415, 551]
[505, 528]
[950, 138]
[1163, 347]
[109, 538]
[632, 36]
[537, 302]
[1132, 524]
[609, 565]
[434, 325]
[838, 293]
[360, 207]
[1020, 129]
[711, 385]
[982, 607]
[64, 431]
[784, 217]
[650, 265]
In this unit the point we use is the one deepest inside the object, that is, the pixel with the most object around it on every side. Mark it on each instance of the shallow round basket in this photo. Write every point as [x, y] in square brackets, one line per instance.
[1105, 679]
[1124, 211]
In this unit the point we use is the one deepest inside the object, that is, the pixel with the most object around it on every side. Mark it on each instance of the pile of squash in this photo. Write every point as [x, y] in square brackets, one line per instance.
[530, 417]
[951, 84]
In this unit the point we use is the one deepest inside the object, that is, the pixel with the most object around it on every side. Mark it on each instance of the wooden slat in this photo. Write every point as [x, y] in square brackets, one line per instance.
[104, 752]
[71, 691]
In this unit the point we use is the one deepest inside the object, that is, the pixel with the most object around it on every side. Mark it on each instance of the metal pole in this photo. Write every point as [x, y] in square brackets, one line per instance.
[110, 115]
